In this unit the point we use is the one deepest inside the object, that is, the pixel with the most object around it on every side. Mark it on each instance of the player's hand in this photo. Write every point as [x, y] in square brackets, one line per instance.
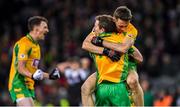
[96, 40]
[113, 55]
[38, 75]
[55, 74]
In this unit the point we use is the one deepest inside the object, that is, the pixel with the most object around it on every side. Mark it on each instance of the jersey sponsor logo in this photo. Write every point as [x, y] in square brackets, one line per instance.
[130, 35]
[36, 63]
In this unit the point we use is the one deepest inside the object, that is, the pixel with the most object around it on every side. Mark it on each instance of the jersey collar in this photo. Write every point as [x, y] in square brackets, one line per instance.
[105, 34]
[31, 39]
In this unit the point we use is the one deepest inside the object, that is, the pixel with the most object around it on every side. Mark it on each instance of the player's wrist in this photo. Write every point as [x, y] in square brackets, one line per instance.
[38, 75]
[45, 75]
[55, 74]
[31, 76]
[106, 51]
[96, 40]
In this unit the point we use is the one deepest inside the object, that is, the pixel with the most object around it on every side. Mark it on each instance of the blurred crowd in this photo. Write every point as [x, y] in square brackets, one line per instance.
[70, 21]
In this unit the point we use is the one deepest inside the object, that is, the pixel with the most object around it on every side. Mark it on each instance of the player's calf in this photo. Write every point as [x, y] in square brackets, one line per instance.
[87, 89]
[137, 92]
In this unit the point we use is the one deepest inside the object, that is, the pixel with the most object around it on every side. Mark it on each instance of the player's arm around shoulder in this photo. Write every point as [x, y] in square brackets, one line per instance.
[87, 45]
[127, 42]
[129, 38]
[122, 47]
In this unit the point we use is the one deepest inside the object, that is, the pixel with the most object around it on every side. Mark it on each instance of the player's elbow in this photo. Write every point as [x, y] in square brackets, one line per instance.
[84, 45]
[140, 59]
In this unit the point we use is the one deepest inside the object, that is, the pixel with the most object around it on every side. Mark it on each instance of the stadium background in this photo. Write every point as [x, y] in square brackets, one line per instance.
[69, 23]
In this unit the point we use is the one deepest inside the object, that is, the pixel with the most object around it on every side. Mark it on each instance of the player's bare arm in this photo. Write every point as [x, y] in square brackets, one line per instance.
[120, 47]
[22, 69]
[137, 55]
[87, 89]
[45, 75]
[87, 45]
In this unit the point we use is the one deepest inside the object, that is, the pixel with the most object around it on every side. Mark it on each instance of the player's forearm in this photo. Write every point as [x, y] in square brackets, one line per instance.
[137, 55]
[45, 75]
[92, 48]
[120, 47]
[23, 71]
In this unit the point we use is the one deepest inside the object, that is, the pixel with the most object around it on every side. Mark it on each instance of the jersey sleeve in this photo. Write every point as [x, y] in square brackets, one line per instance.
[23, 49]
[132, 32]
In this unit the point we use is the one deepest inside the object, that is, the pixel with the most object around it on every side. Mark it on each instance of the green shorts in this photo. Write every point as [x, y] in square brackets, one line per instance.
[21, 91]
[112, 94]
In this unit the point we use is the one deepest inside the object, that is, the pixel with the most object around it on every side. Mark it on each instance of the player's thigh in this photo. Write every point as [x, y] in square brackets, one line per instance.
[19, 91]
[102, 94]
[112, 94]
[25, 101]
[90, 83]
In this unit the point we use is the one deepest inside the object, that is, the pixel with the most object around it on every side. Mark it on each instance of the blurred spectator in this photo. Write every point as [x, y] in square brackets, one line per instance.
[75, 76]
[148, 96]
[163, 99]
[86, 64]
[176, 101]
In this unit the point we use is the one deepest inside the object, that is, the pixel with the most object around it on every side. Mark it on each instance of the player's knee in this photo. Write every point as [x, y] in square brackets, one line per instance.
[132, 82]
[85, 90]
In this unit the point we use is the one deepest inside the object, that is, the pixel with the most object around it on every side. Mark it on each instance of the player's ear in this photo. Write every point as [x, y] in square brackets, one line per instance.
[114, 19]
[103, 30]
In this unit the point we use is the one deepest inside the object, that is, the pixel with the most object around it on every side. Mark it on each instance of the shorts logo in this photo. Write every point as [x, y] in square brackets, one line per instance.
[22, 56]
[17, 89]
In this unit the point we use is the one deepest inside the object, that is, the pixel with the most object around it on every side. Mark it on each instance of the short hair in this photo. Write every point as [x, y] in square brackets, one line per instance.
[123, 13]
[35, 20]
[106, 22]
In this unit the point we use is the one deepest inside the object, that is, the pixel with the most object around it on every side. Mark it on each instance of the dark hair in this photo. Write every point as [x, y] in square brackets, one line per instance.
[106, 22]
[35, 20]
[123, 13]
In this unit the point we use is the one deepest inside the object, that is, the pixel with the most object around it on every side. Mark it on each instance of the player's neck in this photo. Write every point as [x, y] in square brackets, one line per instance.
[119, 31]
[33, 35]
